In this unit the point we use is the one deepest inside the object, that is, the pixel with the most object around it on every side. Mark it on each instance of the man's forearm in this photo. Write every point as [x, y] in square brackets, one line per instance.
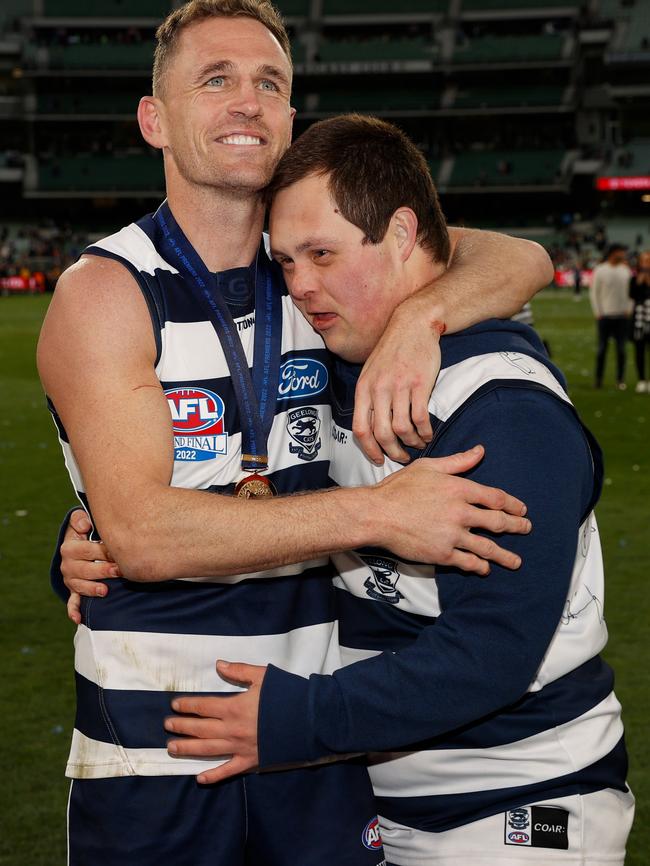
[490, 275]
[166, 532]
[221, 535]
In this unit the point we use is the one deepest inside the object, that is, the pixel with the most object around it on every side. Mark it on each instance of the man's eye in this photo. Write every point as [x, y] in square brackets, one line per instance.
[319, 254]
[283, 262]
[217, 81]
[267, 84]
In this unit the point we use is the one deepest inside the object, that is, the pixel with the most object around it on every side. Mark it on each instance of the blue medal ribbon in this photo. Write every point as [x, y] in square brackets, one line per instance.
[256, 395]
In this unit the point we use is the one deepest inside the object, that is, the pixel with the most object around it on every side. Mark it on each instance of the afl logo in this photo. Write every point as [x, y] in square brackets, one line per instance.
[301, 377]
[519, 838]
[197, 417]
[371, 835]
[195, 410]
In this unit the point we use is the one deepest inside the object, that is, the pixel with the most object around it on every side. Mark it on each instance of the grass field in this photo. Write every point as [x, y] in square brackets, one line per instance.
[36, 701]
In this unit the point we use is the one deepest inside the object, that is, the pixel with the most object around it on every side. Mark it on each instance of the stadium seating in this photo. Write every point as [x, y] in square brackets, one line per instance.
[89, 172]
[350, 51]
[107, 8]
[631, 160]
[508, 96]
[506, 168]
[500, 49]
[434, 168]
[102, 56]
[379, 100]
[381, 7]
[298, 52]
[515, 5]
[636, 35]
[87, 103]
[294, 8]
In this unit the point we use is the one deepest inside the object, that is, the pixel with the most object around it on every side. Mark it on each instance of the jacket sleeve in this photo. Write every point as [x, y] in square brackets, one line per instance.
[485, 648]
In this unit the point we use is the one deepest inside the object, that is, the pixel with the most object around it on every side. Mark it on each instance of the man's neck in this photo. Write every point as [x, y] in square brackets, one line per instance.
[225, 230]
[421, 271]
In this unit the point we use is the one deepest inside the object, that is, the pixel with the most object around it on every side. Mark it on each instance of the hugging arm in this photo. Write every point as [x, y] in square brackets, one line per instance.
[490, 275]
[96, 359]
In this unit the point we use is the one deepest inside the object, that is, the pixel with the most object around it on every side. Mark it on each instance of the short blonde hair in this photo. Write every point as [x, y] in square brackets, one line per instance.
[198, 10]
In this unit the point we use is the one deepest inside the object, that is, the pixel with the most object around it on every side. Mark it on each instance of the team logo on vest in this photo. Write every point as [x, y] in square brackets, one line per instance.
[371, 836]
[521, 362]
[303, 425]
[197, 416]
[538, 827]
[517, 823]
[301, 377]
[382, 584]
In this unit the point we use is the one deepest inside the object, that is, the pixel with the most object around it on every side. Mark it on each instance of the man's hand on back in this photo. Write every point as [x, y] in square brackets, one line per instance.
[216, 726]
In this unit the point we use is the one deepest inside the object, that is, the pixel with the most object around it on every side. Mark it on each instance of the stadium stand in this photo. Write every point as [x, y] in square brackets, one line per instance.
[633, 159]
[63, 104]
[101, 56]
[295, 8]
[457, 75]
[506, 168]
[385, 7]
[543, 6]
[635, 35]
[508, 96]
[513, 49]
[106, 8]
[381, 101]
[101, 174]
[382, 49]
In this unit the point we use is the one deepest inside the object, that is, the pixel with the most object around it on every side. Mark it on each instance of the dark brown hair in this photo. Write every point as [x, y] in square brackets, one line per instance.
[374, 168]
[198, 10]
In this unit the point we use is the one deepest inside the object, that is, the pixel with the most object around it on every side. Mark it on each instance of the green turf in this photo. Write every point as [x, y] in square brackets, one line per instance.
[36, 639]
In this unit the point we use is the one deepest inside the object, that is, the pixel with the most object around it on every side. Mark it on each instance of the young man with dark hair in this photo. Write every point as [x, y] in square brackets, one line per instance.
[496, 733]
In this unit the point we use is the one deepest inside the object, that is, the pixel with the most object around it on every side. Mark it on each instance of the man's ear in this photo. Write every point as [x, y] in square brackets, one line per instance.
[149, 119]
[404, 229]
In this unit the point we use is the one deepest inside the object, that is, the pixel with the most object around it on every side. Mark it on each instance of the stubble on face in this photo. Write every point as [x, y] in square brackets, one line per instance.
[198, 116]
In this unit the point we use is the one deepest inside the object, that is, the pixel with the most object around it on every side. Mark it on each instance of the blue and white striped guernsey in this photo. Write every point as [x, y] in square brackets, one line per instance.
[489, 693]
[145, 643]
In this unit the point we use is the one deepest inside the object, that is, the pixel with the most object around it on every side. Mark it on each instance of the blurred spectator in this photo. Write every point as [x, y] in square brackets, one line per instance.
[640, 294]
[39, 253]
[610, 301]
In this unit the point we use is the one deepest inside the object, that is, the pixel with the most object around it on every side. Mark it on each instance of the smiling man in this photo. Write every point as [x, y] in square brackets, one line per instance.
[501, 737]
[187, 390]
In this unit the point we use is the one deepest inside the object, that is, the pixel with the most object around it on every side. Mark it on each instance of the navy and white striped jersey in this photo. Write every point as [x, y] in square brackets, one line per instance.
[490, 693]
[144, 643]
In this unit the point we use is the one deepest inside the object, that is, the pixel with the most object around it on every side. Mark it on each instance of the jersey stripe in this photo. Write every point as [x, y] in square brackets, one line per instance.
[142, 639]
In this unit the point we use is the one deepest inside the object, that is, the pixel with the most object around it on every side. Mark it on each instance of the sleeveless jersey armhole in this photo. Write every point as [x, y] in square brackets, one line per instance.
[154, 303]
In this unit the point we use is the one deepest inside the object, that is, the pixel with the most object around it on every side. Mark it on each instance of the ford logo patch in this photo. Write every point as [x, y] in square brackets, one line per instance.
[302, 377]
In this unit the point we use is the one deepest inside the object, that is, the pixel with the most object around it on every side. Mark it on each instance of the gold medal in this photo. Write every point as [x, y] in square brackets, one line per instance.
[255, 487]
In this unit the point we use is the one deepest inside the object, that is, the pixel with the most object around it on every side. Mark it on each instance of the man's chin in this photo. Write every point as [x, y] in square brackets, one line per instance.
[350, 354]
[244, 181]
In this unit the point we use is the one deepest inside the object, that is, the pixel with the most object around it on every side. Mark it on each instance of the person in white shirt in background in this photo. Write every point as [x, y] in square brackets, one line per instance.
[610, 301]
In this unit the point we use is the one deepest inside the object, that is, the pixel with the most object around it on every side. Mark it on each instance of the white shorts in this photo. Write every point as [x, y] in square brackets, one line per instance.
[594, 826]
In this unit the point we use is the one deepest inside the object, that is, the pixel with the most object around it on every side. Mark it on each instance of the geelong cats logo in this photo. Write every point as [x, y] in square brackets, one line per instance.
[382, 584]
[303, 425]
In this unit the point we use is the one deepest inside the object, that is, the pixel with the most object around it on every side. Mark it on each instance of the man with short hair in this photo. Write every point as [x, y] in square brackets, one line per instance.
[609, 294]
[496, 732]
[177, 368]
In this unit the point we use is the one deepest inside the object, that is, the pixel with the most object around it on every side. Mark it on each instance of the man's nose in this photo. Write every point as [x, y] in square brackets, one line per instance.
[301, 283]
[245, 100]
